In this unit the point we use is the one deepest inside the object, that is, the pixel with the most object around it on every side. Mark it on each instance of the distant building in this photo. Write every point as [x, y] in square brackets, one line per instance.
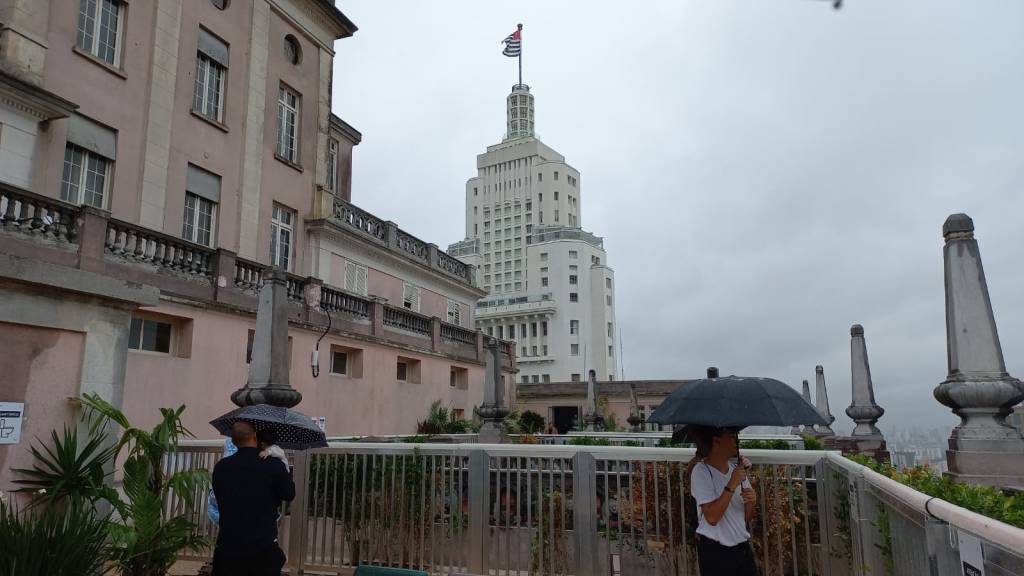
[563, 404]
[548, 283]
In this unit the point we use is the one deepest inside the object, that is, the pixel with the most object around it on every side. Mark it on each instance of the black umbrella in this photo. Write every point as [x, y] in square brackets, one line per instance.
[294, 430]
[736, 402]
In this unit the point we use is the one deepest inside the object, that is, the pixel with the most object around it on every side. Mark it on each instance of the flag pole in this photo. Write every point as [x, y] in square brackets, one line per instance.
[520, 28]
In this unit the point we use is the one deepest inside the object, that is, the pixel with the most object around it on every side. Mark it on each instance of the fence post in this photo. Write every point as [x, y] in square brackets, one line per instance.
[862, 516]
[584, 496]
[479, 512]
[826, 519]
[299, 523]
[942, 557]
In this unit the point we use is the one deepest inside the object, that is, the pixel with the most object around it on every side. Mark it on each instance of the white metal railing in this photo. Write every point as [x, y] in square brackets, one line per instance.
[515, 509]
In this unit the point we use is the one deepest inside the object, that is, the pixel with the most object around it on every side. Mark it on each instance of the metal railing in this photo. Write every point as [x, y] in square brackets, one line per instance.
[589, 510]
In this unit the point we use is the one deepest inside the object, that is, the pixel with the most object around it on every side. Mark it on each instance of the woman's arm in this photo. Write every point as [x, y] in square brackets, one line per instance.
[714, 510]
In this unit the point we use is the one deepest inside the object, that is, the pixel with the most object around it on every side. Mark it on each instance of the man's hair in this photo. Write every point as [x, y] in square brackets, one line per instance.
[242, 433]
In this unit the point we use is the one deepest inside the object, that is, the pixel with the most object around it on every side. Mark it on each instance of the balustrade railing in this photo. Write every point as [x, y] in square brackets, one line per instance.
[333, 300]
[406, 320]
[453, 266]
[458, 334]
[249, 275]
[359, 219]
[34, 214]
[296, 288]
[588, 510]
[411, 245]
[144, 245]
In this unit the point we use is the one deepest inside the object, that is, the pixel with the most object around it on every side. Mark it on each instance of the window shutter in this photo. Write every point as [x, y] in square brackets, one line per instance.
[355, 278]
[412, 296]
[454, 313]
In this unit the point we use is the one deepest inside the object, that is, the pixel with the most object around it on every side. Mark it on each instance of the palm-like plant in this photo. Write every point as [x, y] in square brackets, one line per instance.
[148, 535]
[63, 471]
[66, 540]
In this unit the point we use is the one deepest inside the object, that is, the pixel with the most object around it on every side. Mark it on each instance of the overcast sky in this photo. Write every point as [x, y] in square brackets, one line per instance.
[764, 174]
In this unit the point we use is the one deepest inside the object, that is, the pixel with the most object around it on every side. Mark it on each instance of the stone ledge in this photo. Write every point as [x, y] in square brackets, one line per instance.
[31, 271]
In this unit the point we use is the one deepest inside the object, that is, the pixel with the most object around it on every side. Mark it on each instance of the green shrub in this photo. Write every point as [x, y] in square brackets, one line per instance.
[764, 445]
[531, 422]
[981, 499]
[812, 443]
[589, 441]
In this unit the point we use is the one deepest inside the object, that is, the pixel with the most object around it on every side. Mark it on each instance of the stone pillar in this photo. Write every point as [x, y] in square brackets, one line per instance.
[223, 273]
[821, 399]
[435, 333]
[377, 315]
[634, 420]
[798, 430]
[269, 371]
[493, 410]
[983, 448]
[311, 292]
[91, 231]
[593, 419]
[23, 39]
[863, 410]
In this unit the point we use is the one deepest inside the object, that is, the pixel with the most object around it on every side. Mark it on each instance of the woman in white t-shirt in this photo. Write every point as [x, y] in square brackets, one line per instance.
[726, 503]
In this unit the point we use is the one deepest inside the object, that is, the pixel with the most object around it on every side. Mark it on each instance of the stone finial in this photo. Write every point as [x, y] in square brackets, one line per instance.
[493, 410]
[821, 399]
[983, 447]
[269, 369]
[797, 430]
[863, 409]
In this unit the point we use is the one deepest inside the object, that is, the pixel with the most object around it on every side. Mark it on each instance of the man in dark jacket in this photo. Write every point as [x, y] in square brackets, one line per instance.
[249, 491]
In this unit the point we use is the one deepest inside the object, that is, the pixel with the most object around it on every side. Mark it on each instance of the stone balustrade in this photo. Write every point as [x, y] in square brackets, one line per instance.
[143, 245]
[355, 220]
[407, 320]
[31, 213]
[333, 300]
[455, 333]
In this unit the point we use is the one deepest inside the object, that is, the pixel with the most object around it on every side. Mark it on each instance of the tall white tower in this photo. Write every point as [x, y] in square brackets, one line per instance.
[549, 285]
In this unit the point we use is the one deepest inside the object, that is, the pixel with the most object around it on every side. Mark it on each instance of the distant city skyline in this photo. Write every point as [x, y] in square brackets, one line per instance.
[765, 175]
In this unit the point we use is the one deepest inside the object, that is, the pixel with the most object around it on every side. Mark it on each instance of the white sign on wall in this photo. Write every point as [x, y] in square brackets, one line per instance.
[971, 560]
[11, 415]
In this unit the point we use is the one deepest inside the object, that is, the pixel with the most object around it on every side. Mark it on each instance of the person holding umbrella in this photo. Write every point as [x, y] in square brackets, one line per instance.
[249, 492]
[716, 409]
[726, 504]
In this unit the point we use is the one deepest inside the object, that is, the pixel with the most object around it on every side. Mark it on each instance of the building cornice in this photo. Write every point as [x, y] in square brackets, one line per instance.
[32, 100]
[353, 135]
[611, 389]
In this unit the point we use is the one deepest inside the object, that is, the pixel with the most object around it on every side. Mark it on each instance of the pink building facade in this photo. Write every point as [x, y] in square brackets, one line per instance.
[157, 158]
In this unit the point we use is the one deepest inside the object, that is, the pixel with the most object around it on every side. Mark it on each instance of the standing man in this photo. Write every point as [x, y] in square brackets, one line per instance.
[249, 492]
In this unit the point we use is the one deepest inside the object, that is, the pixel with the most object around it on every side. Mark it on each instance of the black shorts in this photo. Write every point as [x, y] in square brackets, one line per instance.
[264, 562]
[719, 560]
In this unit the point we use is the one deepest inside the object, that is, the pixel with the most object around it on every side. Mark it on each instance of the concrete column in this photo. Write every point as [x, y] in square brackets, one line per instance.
[269, 371]
[392, 235]
[821, 398]
[433, 259]
[92, 238]
[983, 448]
[863, 409]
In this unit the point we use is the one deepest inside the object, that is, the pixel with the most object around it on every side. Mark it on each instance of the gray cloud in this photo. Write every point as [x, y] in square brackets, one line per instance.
[765, 174]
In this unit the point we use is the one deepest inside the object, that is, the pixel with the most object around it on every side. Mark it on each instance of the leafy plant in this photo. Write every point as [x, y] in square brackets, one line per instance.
[589, 441]
[1008, 508]
[885, 533]
[66, 540]
[765, 445]
[64, 470]
[146, 537]
[532, 422]
[441, 420]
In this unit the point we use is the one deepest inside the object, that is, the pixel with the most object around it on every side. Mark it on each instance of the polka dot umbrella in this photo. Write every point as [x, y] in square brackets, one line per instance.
[294, 430]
